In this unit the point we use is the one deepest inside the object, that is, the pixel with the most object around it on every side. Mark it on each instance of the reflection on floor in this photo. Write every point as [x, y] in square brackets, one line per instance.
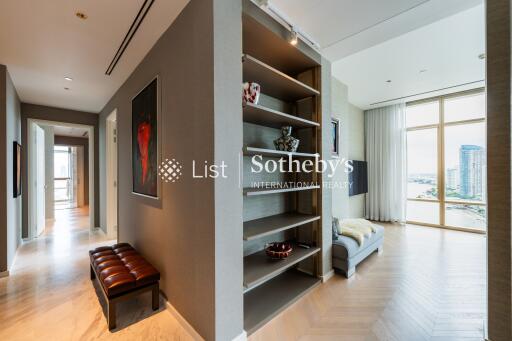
[428, 284]
[49, 295]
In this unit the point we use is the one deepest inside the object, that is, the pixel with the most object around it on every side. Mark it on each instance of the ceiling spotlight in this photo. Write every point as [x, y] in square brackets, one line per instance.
[294, 39]
[388, 81]
[68, 79]
[81, 15]
[481, 56]
[66, 88]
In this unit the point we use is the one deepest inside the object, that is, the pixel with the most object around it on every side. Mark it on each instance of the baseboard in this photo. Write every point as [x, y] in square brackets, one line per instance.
[4, 274]
[327, 276]
[183, 322]
[241, 337]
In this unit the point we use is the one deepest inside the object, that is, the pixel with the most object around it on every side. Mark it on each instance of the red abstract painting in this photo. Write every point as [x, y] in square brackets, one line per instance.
[145, 141]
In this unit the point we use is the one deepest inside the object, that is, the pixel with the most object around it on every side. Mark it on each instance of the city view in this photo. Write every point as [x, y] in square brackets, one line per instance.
[465, 181]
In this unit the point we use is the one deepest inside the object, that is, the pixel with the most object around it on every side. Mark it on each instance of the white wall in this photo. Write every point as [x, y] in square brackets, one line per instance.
[351, 148]
[48, 171]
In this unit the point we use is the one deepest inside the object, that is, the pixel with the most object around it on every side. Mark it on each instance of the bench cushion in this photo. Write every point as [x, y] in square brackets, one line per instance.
[345, 247]
[121, 268]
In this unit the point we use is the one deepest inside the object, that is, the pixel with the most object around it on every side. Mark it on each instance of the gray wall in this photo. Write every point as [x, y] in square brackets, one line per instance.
[34, 111]
[10, 208]
[351, 148]
[193, 234]
[355, 142]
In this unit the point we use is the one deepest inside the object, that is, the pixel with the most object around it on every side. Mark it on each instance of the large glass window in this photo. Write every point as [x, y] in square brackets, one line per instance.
[446, 161]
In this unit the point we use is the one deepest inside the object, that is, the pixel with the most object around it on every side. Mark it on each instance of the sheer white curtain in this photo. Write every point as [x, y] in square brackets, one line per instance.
[386, 152]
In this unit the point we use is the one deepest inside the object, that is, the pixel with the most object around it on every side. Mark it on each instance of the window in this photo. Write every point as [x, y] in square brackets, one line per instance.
[446, 161]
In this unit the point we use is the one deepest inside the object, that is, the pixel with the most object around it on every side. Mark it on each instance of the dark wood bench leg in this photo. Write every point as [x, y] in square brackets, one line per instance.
[93, 275]
[156, 296]
[111, 311]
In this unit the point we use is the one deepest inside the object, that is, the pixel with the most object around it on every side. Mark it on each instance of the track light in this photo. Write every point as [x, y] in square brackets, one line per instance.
[294, 39]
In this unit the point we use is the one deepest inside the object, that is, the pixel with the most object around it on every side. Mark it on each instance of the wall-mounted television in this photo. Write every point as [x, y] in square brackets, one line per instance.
[358, 178]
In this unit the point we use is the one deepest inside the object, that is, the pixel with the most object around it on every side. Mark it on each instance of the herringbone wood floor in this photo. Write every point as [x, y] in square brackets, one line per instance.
[428, 284]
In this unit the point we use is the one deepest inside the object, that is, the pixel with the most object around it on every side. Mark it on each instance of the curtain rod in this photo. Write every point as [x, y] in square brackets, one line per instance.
[427, 92]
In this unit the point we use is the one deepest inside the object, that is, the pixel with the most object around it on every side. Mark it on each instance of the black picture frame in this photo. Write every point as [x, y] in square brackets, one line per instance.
[145, 141]
[16, 169]
[335, 142]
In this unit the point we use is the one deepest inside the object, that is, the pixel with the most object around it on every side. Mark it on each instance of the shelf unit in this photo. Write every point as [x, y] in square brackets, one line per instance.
[276, 153]
[268, 117]
[290, 78]
[262, 227]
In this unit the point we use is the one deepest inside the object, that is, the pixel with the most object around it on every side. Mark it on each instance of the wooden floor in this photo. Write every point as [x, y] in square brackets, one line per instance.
[49, 295]
[428, 284]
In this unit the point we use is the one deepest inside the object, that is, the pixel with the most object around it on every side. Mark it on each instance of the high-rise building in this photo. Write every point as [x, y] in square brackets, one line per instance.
[472, 162]
[452, 178]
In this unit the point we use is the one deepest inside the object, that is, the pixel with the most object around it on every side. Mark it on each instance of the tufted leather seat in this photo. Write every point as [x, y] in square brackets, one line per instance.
[120, 268]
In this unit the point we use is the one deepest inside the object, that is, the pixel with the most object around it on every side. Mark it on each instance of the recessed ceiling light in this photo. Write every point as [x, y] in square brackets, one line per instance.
[481, 56]
[66, 88]
[388, 81]
[423, 70]
[294, 39]
[81, 15]
[68, 78]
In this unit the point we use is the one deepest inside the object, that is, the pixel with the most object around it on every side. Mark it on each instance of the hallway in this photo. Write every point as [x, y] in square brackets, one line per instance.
[49, 293]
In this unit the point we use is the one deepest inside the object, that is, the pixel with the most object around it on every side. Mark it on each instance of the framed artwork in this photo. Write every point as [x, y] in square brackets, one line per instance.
[145, 147]
[335, 136]
[16, 152]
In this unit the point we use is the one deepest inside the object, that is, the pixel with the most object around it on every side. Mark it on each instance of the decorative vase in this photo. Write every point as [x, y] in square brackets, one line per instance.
[250, 92]
[286, 142]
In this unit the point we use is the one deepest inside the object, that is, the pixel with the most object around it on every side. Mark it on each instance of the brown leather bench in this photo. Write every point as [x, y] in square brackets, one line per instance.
[123, 273]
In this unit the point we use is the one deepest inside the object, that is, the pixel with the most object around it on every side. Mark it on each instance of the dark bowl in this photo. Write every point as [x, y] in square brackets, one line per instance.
[279, 250]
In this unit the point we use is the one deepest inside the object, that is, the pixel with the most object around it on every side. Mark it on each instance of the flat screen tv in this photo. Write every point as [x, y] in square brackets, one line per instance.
[358, 178]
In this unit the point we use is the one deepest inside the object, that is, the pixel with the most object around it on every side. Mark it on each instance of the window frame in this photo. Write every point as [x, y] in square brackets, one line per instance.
[441, 188]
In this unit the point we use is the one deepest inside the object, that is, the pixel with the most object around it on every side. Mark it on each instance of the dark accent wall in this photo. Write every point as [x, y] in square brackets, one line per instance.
[10, 207]
[78, 142]
[193, 233]
[499, 232]
[40, 112]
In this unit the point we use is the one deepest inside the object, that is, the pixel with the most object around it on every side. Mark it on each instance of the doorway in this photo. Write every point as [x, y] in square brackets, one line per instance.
[61, 178]
[111, 152]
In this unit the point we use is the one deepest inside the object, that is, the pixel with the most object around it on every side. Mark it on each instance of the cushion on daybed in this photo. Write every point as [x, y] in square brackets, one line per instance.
[350, 247]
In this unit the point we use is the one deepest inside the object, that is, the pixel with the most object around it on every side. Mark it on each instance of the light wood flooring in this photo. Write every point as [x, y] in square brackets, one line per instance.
[428, 284]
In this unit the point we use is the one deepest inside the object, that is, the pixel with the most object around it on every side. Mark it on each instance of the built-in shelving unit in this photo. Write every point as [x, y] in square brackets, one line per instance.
[262, 227]
[276, 153]
[275, 83]
[259, 268]
[290, 78]
[261, 115]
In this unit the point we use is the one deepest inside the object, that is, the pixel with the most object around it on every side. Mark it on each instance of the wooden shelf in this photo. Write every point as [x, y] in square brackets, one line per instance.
[276, 153]
[273, 82]
[267, 117]
[249, 191]
[265, 226]
[259, 268]
[266, 301]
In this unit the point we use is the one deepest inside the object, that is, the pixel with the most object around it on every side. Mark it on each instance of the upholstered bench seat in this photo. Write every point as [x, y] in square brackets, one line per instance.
[347, 253]
[122, 272]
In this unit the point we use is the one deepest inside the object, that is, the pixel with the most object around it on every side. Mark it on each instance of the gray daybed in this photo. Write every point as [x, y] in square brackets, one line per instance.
[346, 252]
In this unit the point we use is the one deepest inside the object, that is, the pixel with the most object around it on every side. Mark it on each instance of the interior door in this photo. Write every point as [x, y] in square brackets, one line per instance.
[40, 180]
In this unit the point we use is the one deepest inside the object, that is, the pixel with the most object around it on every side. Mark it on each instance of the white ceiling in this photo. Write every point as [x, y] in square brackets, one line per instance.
[448, 49]
[344, 27]
[41, 42]
[70, 131]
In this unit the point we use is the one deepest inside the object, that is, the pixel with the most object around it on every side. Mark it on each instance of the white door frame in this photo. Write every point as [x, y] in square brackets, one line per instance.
[30, 122]
[33, 156]
[111, 165]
